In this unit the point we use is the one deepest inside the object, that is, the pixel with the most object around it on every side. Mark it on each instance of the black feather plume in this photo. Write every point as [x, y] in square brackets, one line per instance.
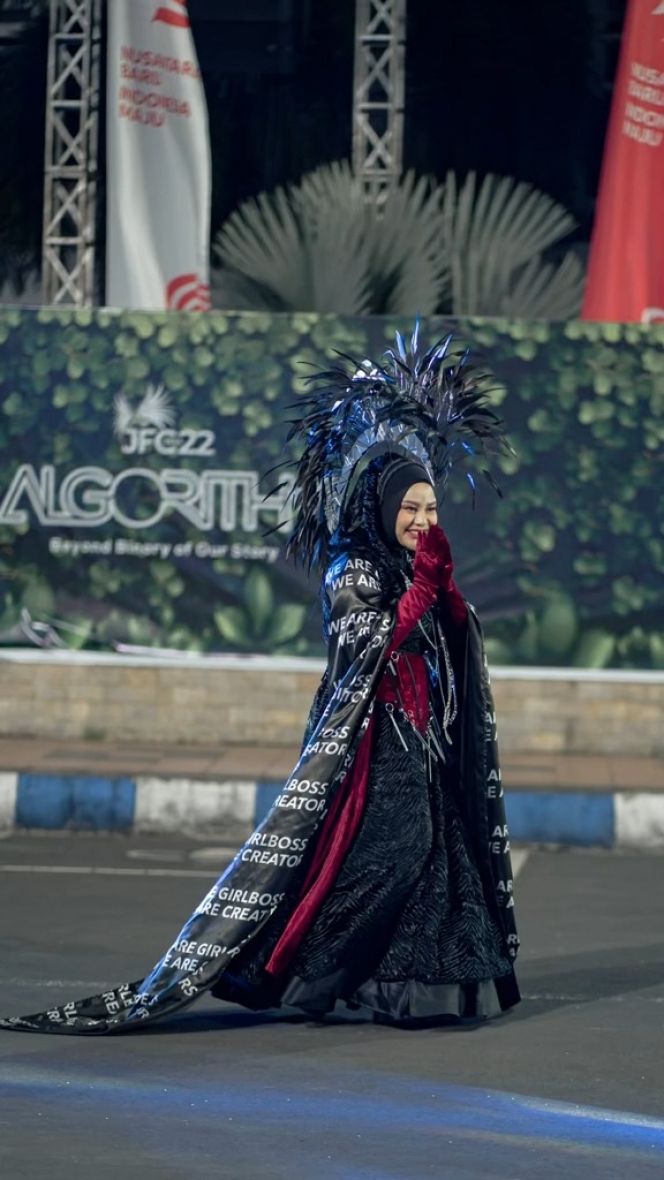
[429, 405]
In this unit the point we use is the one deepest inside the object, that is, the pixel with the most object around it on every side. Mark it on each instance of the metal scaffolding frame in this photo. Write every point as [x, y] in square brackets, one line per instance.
[71, 157]
[378, 93]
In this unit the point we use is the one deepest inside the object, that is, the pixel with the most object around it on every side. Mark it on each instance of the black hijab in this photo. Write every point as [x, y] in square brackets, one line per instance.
[395, 480]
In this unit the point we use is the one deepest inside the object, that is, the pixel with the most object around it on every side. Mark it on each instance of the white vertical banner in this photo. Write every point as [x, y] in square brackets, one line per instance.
[158, 160]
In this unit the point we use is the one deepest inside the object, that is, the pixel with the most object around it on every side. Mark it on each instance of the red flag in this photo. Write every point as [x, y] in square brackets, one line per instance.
[626, 269]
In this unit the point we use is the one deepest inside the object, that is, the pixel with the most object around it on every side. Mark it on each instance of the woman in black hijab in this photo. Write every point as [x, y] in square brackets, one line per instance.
[409, 925]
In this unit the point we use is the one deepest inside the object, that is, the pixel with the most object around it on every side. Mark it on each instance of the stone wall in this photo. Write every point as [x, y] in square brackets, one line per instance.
[252, 702]
[584, 715]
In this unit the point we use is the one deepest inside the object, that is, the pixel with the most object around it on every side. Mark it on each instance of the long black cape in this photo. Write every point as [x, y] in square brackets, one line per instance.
[268, 869]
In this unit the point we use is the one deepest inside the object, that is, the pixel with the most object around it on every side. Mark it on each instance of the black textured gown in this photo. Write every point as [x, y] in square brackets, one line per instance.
[409, 931]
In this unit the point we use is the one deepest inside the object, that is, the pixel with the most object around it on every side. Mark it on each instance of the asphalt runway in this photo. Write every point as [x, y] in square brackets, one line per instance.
[571, 1084]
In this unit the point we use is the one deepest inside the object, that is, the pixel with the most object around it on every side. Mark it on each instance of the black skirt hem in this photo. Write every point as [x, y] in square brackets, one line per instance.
[406, 1002]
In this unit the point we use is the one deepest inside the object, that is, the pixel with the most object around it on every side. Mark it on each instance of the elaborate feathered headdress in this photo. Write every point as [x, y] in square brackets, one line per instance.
[428, 406]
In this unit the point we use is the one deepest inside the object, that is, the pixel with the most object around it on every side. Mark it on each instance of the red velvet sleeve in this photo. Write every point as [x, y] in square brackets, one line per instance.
[416, 602]
[410, 608]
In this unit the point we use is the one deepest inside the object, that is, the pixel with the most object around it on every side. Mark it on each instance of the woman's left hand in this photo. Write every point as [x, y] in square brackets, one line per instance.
[433, 557]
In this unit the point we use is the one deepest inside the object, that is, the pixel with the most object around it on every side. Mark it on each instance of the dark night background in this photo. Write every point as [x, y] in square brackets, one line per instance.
[522, 89]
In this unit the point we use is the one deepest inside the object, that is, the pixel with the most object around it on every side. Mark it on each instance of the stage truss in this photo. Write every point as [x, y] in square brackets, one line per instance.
[71, 157]
[378, 93]
[70, 176]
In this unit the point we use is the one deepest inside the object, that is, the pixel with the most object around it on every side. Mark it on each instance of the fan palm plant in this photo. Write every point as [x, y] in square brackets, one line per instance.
[496, 237]
[319, 246]
[427, 248]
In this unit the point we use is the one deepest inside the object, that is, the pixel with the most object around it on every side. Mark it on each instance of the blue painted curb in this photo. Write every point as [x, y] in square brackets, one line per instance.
[569, 817]
[87, 803]
[95, 804]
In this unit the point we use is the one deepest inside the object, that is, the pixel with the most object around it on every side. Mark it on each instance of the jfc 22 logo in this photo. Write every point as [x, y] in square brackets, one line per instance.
[150, 427]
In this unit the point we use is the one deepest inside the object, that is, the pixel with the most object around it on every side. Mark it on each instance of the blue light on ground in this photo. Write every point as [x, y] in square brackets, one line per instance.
[361, 1109]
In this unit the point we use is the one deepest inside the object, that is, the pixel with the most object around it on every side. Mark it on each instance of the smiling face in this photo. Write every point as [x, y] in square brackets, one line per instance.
[417, 513]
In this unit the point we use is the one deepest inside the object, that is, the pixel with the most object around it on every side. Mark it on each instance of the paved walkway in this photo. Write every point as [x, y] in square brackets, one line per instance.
[521, 772]
[568, 1085]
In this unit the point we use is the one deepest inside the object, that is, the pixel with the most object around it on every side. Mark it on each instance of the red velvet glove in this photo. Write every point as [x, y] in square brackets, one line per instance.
[449, 593]
[432, 575]
[433, 564]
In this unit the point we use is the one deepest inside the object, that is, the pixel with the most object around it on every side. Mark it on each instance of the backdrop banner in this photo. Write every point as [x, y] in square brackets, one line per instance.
[626, 268]
[135, 449]
[158, 160]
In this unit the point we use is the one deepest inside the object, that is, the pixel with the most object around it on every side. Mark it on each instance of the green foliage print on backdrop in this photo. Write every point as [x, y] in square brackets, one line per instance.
[567, 569]
[232, 376]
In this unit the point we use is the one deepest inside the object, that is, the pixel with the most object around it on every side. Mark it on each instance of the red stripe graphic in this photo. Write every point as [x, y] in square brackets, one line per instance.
[187, 293]
[167, 16]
